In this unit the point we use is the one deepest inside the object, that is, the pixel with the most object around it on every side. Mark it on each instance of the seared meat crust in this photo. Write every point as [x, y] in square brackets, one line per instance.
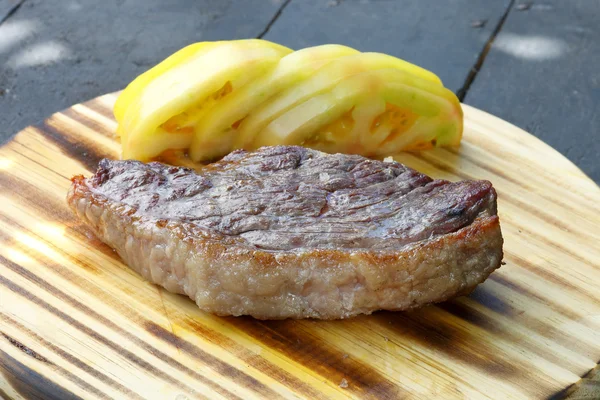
[289, 232]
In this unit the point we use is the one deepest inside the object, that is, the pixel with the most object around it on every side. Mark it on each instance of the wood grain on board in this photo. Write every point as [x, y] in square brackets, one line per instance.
[77, 323]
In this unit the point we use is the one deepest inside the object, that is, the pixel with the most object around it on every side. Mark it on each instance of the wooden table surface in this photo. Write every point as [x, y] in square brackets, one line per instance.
[532, 63]
[75, 322]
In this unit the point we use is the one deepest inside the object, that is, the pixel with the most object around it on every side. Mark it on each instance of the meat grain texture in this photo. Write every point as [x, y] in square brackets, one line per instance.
[289, 232]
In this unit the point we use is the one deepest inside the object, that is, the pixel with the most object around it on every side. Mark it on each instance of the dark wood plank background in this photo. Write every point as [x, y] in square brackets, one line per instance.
[543, 74]
[401, 28]
[533, 63]
[8, 7]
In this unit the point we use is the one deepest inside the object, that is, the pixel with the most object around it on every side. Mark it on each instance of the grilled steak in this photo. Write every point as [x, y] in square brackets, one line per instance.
[289, 232]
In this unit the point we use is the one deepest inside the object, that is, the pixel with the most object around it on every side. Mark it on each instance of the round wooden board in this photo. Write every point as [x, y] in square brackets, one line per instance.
[76, 322]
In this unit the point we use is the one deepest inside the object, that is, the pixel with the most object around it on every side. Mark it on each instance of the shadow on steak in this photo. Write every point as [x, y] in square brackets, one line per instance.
[289, 232]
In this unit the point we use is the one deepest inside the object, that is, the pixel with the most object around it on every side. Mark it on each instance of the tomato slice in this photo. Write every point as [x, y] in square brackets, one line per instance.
[161, 111]
[217, 130]
[323, 80]
[213, 97]
[374, 113]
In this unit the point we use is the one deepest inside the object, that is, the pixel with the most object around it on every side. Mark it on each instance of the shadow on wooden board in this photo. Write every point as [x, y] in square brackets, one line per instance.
[25, 381]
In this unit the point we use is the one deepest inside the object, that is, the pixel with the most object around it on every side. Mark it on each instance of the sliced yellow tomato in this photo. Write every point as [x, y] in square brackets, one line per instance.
[374, 113]
[132, 91]
[213, 97]
[215, 132]
[322, 81]
[161, 111]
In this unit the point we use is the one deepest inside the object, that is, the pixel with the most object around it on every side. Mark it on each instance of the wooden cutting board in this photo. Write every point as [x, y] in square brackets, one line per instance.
[76, 322]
